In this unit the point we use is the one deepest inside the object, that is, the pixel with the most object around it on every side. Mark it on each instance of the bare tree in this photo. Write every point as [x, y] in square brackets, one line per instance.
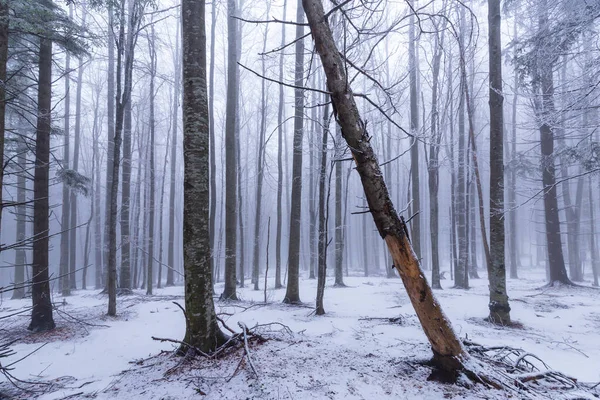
[231, 160]
[292, 294]
[41, 314]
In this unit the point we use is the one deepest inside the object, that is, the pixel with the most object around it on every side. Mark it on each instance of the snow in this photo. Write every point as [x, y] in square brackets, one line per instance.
[353, 352]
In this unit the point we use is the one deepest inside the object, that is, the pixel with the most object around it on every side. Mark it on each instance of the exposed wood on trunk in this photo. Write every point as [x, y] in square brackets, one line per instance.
[447, 348]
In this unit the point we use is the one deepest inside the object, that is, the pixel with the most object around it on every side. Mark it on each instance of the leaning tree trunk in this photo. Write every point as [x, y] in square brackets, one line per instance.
[447, 348]
[41, 313]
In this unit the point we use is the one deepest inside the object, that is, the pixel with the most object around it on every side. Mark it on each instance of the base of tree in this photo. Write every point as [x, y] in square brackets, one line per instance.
[124, 292]
[339, 285]
[41, 326]
[518, 373]
[294, 302]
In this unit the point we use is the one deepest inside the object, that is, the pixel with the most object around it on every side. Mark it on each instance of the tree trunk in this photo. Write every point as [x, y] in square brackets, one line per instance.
[76, 144]
[151, 211]
[202, 330]
[66, 225]
[513, 247]
[41, 313]
[292, 294]
[280, 151]
[4, 18]
[21, 219]
[231, 159]
[261, 162]
[414, 130]
[447, 348]
[339, 227]
[499, 307]
[173, 161]
[110, 96]
[98, 248]
[433, 167]
[323, 217]
[556, 262]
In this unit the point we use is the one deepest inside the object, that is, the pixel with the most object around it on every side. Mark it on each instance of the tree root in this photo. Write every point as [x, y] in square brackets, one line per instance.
[509, 369]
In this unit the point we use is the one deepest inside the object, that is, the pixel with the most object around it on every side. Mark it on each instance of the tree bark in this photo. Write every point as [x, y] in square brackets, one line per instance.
[323, 217]
[447, 348]
[231, 159]
[152, 211]
[41, 313]
[280, 150]
[202, 330]
[21, 219]
[65, 224]
[414, 130]
[498, 306]
[173, 160]
[4, 21]
[546, 113]
[292, 294]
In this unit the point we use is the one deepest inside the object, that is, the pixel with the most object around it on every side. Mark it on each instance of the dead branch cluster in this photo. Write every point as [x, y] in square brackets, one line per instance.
[516, 370]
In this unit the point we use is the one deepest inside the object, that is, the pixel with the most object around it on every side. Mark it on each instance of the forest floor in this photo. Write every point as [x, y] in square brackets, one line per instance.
[369, 345]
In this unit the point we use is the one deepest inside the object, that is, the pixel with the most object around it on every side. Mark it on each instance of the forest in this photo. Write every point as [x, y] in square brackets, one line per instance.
[341, 199]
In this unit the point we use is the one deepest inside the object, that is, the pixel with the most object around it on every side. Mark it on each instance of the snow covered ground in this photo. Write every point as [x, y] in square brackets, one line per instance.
[353, 352]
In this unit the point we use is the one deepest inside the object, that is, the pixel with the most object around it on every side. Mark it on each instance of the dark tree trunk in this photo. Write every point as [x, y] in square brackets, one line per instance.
[292, 294]
[202, 330]
[41, 313]
[4, 18]
[499, 307]
[231, 159]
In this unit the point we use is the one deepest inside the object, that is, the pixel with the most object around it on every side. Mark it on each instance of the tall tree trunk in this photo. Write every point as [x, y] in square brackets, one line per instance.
[414, 130]
[21, 219]
[76, 145]
[66, 225]
[280, 151]
[231, 159]
[593, 244]
[313, 256]
[110, 96]
[151, 211]
[339, 227]
[4, 18]
[41, 313]
[433, 167]
[499, 307]
[513, 246]
[292, 294]
[461, 269]
[261, 161]
[173, 161]
[125, 269]
[323, 216]
[447, 348]
[546, 113]
[98, 249]
[202, 331]
[212, 144]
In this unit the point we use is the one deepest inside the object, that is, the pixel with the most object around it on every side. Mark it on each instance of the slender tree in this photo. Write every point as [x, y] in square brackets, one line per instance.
[41, 313]
[292, 294]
